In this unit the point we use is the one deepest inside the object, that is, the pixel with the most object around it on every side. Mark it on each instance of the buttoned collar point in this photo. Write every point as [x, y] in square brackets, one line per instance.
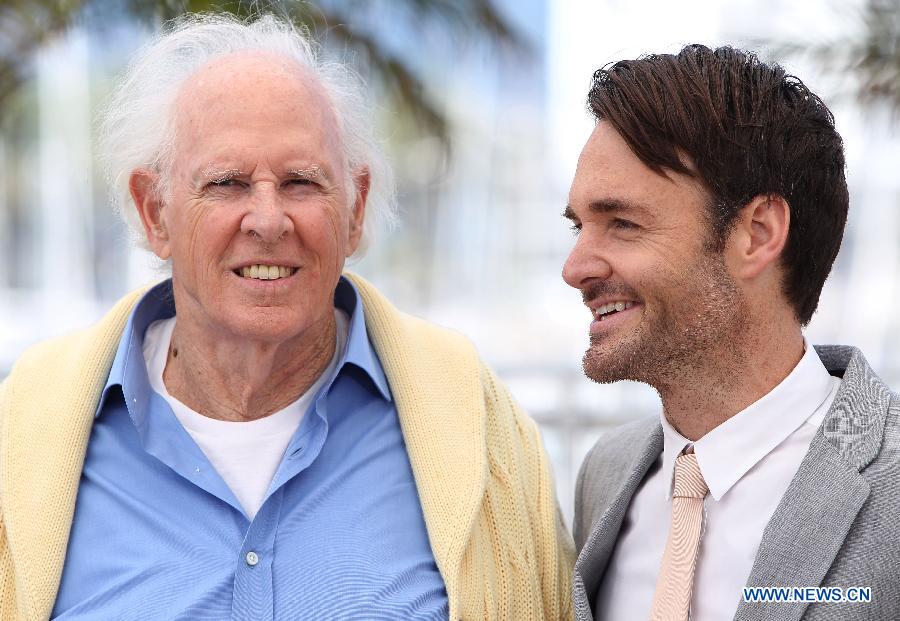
[732, 449]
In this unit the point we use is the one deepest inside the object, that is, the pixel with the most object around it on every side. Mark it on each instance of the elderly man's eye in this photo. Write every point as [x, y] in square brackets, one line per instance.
[223, 183]
[299, 182]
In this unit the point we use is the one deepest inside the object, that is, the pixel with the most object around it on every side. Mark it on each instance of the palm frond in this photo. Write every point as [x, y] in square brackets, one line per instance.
[867, 62]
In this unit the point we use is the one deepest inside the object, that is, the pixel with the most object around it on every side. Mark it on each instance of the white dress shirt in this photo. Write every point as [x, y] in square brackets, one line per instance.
[748, 462]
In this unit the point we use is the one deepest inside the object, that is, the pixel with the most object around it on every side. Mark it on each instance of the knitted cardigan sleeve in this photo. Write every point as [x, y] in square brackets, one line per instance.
[7, 579]
[551, 544]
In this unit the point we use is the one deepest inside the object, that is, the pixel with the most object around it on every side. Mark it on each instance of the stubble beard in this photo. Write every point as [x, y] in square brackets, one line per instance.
[694, 331]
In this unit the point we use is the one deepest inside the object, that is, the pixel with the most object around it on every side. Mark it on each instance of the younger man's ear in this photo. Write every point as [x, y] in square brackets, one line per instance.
[760, 234]
[144, 186]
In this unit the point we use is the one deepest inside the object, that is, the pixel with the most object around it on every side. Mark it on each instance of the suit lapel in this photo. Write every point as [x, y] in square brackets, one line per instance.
[53, 394]
[808, 528]
[594, 556]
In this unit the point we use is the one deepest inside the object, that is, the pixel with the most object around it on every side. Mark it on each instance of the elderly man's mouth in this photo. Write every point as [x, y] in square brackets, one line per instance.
[265, 272]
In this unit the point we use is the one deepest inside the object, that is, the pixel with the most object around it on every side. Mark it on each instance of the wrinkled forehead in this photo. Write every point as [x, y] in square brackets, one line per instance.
[250, 89]
[252, 67]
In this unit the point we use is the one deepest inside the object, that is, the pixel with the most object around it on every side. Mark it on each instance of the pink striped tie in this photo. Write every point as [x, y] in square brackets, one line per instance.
[672, 599]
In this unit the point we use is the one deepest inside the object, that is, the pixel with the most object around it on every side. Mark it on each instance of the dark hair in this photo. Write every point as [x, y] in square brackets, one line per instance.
[749, 129]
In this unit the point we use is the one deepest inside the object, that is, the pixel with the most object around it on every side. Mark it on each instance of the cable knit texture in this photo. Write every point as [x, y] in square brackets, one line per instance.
[482, 474]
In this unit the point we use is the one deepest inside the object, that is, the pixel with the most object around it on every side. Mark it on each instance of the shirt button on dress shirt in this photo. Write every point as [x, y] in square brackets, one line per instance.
[252, 558]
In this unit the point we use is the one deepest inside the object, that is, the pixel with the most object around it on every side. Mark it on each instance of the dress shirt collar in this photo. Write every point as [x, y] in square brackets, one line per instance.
[729, 451]
[129, 369]
[359, 350]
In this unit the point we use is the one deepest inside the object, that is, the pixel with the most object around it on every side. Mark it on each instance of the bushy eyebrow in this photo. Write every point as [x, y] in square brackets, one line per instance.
[215, 174]
[313, 173]
[608, 206]
[212, 173]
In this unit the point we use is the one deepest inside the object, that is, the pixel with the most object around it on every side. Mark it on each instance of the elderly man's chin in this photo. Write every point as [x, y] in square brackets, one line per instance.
[272, 311]
[270, 324]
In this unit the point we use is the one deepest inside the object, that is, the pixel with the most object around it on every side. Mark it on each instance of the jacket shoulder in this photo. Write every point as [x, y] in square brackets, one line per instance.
[52, 352]
[605, 469]
[61, 356]
[435, 335]
[412, 349]
[617, 448]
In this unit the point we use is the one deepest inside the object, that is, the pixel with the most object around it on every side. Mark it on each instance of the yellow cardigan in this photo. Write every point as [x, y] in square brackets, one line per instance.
[482, 474]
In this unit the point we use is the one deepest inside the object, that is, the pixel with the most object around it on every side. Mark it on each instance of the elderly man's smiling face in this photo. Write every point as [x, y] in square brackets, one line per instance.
[260, 215]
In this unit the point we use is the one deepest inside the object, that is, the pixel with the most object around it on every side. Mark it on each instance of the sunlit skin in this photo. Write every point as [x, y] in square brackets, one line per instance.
[258, 178]
[710, 330]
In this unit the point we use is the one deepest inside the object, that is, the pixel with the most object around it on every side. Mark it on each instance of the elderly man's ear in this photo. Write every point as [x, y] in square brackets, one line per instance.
[144, 186]
[358, 209]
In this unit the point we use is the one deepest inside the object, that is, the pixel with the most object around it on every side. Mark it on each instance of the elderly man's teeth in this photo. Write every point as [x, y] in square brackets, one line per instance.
[267, 272]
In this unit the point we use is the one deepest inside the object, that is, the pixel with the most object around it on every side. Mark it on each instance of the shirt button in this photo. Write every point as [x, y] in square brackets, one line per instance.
[252, 558]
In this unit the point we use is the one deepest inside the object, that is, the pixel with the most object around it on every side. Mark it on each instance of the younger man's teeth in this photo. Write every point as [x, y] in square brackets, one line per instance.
[613, 306]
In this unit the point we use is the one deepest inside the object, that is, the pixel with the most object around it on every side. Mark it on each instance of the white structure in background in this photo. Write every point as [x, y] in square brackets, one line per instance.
[63, 176]
[57, 177]
[480, 249]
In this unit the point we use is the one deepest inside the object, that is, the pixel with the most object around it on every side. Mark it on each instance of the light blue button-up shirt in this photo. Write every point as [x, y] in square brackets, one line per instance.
[157, 534]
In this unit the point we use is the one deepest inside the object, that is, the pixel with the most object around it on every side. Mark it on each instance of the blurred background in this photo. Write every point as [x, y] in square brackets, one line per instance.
[481, 105]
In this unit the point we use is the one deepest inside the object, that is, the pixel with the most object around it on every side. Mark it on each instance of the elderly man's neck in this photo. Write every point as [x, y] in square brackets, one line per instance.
[235, 378]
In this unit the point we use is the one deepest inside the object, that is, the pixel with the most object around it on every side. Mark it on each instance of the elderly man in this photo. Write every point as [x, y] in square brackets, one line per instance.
[709, 204]
[261, 437]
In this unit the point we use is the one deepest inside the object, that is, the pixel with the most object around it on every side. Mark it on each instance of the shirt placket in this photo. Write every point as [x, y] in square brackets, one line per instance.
[253, 596]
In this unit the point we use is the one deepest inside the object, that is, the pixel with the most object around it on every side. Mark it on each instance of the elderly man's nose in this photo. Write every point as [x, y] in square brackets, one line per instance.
[266, 219]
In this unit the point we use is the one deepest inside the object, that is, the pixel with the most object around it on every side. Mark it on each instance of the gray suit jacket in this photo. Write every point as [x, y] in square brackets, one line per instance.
[838, 523]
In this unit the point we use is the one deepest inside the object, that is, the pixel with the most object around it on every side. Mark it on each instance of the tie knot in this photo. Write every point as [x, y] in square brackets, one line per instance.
[689, 481]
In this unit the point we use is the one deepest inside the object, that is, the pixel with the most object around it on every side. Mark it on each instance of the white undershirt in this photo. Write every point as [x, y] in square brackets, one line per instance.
[748, 462]
[245, 454]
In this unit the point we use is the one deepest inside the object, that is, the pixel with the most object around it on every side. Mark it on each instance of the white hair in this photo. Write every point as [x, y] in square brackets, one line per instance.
[137, 125]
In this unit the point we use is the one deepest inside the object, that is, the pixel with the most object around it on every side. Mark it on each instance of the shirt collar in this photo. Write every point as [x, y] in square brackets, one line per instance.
[729, 451]
[359, 350]
[129, 371]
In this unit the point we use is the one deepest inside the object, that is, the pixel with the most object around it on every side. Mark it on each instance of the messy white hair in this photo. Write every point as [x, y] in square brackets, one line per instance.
[136, 128]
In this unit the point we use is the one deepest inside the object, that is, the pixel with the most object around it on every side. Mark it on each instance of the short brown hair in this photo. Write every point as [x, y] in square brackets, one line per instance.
[749, 129]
